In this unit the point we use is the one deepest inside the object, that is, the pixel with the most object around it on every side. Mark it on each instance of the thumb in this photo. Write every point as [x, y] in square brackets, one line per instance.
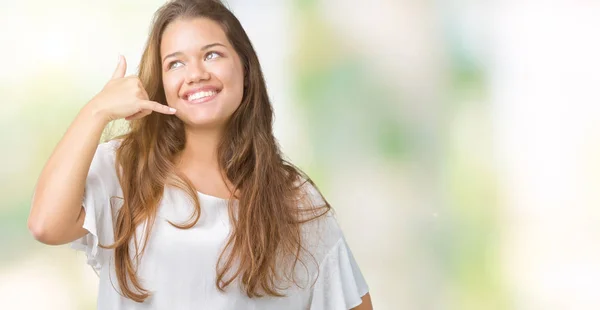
[121, 68]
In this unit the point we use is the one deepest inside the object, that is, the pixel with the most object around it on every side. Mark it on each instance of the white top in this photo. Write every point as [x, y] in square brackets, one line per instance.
[179, 265]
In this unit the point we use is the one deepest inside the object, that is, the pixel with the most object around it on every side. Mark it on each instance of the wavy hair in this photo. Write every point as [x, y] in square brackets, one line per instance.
[266, 224]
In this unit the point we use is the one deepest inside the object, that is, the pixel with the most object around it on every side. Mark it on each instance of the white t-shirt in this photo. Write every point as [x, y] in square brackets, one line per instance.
[178, 266]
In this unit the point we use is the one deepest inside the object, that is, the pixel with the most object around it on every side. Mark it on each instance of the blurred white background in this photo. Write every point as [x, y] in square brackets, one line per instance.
[458, 141]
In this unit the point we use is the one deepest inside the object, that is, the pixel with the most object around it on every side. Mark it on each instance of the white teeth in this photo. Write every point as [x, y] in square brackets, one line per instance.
[201, 94]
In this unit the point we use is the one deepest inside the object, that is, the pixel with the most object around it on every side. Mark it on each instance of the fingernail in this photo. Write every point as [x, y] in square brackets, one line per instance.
[172, 110]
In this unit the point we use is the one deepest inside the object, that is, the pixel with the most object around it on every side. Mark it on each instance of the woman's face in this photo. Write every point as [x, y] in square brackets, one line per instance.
[202, 75]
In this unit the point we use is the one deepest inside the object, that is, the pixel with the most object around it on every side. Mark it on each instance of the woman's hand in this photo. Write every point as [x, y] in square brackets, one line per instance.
[125, 97]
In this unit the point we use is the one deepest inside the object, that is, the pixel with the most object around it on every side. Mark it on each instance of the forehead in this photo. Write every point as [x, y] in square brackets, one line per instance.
[189, 34]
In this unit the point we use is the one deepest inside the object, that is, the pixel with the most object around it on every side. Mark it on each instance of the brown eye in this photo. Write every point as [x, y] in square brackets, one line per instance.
[174, 62]
[214, 54]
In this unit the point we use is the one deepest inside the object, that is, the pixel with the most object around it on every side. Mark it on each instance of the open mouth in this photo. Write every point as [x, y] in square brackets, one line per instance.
[201, 96]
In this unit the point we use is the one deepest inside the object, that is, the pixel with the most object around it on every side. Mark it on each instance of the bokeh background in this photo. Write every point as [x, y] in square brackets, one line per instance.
[458, 141]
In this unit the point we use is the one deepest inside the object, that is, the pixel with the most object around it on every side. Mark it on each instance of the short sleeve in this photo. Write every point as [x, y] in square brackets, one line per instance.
[340, 284]
[101, 185]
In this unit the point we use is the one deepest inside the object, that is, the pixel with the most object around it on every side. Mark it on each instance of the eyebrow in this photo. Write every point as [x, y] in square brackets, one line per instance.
[205, 47]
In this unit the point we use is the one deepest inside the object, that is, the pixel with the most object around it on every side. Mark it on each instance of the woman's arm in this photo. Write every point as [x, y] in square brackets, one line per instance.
[56, 210]
[366, 303]
[56, 215]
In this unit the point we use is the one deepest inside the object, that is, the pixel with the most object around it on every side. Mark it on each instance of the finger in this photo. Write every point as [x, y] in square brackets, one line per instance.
[121, 68]
[157, 107]
[138, 115]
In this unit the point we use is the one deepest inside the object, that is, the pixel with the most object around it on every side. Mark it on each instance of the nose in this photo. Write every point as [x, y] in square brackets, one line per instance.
[196, 73]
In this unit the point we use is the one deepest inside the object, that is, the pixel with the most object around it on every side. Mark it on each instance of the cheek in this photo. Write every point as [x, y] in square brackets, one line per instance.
[171, 86]
[231, 75]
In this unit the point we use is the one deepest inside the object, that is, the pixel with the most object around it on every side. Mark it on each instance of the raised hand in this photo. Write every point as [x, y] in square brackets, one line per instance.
[125, 97]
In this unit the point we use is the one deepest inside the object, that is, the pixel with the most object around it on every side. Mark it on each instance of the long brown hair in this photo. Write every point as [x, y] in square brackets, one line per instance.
[266, 225]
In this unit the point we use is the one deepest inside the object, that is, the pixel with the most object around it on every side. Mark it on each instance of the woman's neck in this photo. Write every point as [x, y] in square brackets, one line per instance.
[200, 150]
[199, 162]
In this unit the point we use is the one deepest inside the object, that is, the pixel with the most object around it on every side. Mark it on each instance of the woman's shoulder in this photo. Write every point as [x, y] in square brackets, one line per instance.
[320, 228]
[110, 146]
[106, 152]
[309, 196]
[103, 168]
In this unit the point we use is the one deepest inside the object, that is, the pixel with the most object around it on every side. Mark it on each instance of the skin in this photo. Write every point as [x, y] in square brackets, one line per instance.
[366, 303]
[196, 53]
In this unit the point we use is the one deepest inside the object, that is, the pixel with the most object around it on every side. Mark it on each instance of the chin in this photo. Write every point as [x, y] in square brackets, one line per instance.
[203, 121]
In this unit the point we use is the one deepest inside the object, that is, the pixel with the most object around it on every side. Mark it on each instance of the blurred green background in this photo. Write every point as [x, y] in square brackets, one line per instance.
[457, 140]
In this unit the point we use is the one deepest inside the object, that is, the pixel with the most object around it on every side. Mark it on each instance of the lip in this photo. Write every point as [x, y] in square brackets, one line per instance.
[202, 100]
[199, 89]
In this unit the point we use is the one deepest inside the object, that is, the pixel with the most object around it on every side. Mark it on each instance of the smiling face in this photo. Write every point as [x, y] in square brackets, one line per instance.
[202, 74]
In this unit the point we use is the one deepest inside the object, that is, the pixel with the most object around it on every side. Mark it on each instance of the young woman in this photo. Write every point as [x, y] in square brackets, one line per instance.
[194, 207]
